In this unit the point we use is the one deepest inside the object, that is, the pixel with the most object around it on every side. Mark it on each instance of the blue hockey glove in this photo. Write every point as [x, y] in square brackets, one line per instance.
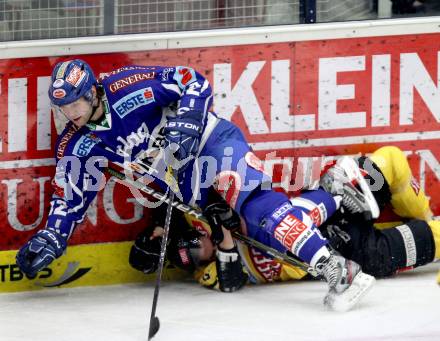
[41, 250]
[182, 135]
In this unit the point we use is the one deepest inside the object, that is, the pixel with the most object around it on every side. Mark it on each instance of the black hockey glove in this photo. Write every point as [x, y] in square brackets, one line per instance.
[218, 215]
[144, 254]
[230, 273]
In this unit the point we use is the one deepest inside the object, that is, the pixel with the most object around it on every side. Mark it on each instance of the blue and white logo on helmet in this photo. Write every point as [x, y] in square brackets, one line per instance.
[71, 80]
[58, 83]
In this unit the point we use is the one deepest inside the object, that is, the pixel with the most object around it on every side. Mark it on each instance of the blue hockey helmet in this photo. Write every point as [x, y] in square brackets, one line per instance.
[70, 81]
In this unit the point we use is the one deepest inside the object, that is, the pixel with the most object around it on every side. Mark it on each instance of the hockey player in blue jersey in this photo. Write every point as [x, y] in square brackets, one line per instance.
[158, 117]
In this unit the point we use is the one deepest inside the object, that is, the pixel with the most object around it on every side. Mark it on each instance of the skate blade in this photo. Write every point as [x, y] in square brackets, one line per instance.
[346, 300]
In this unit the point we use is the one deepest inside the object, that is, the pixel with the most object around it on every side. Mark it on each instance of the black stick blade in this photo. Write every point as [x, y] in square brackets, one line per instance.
[154, 327]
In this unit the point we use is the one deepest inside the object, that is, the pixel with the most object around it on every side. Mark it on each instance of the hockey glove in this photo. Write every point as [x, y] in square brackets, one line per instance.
[41, 250]
[145, 253]
[182, 135]
[230, 273]
[218, 215]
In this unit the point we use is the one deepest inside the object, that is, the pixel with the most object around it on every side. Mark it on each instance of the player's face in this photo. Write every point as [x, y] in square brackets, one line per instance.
[200, 250]
[206, 250]
[79, 112]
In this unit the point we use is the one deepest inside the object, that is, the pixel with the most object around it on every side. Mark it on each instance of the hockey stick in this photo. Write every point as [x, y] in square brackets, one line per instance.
[154, 320]
[282, 257]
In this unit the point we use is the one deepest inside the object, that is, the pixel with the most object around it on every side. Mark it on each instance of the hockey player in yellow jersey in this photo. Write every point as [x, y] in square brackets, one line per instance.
[382, 250]
[408, 200]
[411, 239]
[192, 247]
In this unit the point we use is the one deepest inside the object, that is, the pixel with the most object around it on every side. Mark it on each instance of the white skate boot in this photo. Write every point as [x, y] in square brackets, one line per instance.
[345, 179]
[347, 283]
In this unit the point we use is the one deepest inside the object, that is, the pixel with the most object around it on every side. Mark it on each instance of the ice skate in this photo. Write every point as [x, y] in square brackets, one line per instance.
[345, 179]
[347, 283]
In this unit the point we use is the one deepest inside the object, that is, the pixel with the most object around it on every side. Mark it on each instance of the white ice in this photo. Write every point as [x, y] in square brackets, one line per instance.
[402, 308]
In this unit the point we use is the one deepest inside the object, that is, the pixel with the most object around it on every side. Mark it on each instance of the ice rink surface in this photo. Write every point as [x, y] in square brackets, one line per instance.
[402, 308]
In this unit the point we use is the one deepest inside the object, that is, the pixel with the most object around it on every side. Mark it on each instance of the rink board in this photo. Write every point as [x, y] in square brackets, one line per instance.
[82, 265]
[300, 94]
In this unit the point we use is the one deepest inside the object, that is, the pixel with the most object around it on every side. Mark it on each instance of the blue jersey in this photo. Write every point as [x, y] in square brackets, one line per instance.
[137, 102]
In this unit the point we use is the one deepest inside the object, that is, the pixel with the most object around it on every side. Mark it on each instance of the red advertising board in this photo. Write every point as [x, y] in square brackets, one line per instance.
[295, 102]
